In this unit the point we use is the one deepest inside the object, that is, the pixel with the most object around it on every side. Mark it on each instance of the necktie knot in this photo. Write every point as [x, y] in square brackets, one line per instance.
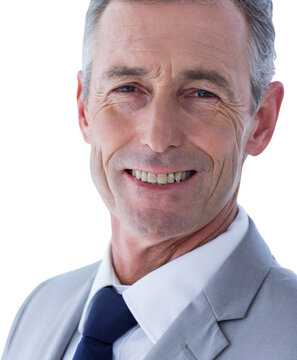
[109, 317]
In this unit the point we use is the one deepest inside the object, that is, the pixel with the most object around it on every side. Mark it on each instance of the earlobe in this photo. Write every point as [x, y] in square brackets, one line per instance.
[82, 111]
[265, 119]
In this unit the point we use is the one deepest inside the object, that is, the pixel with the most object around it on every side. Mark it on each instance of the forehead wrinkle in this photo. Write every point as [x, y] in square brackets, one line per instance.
[119, 71]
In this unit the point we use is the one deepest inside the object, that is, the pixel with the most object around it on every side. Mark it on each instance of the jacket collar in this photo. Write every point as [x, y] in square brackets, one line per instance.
[231, 292]
[196, 334]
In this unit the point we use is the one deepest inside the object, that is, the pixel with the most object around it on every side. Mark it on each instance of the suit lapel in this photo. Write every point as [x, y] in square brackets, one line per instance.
[232, 290]
[196, 334]
[63, 326]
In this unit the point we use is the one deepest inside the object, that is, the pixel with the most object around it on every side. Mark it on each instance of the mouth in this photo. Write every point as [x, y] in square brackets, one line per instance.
[161, 179]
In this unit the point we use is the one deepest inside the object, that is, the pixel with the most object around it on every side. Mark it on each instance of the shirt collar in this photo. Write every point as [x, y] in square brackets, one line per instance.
[176, 283]
[105, 277]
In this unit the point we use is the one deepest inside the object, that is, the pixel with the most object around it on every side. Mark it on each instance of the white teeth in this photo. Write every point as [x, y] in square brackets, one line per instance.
[161, 179]
[144, 176]
[170, 178]
[151, 178]
[138, 174]
[177, 176]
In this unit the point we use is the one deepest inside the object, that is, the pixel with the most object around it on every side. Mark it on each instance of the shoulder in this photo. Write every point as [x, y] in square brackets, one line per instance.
[280, 287]
[60, 288]
[275, 303]
[50, 303]
[69, 281]
[273, 314]
[269, 327]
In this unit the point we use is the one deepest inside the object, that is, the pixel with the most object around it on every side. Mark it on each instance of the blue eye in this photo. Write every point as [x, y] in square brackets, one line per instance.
[126, 89]
[204, 93]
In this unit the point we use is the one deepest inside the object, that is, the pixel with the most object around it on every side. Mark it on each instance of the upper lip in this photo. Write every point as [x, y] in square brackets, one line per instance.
[156, 170]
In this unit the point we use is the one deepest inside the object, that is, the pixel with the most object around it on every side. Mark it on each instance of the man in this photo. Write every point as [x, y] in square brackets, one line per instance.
[172, 98]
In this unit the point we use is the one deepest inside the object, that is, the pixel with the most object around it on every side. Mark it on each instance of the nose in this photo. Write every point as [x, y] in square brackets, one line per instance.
[160, 125]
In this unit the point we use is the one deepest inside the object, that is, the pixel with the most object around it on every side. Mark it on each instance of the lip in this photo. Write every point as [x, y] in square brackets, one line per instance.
[156, 170]
[167, 187]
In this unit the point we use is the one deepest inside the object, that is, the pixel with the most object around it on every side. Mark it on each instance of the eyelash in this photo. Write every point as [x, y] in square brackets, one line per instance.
[124, 86]
[206, 94]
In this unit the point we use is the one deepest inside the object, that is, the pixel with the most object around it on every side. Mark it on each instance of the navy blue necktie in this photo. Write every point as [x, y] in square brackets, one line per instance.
[109, 318]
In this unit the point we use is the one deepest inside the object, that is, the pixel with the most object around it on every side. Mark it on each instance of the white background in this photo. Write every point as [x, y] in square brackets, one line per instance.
[51, 217]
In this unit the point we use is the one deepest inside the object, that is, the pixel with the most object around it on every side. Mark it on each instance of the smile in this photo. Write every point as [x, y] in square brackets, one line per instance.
[161, 179]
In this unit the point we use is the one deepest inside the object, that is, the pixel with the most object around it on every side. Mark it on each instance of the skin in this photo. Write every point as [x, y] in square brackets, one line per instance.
[163, 117]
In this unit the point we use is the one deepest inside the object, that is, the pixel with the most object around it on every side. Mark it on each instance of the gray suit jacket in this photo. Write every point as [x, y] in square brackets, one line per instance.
[248, 311]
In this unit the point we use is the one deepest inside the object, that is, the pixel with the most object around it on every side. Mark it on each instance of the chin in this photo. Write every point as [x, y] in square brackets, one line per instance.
[158, 226]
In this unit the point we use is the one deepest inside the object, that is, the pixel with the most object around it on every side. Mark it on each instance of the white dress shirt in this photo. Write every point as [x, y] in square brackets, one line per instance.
[159, 297]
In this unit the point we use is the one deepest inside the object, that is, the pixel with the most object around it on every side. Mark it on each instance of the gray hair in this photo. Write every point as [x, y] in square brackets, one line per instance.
[258, 14]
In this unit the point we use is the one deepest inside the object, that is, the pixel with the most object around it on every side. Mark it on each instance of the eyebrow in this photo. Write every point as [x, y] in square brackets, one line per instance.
[117, 71]
[208, 75]
[212, 76]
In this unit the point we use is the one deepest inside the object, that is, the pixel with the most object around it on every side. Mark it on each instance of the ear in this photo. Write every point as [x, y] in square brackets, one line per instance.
[82, 111]
[265, 119]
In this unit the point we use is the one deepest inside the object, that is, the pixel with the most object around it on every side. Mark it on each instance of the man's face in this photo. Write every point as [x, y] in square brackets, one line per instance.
[170, 93]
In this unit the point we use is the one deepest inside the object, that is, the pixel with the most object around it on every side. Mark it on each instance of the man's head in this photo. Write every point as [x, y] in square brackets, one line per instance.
[170, 91]
[260, 43]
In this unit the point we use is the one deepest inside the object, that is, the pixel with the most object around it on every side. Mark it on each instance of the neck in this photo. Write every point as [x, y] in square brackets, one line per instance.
[133, 258]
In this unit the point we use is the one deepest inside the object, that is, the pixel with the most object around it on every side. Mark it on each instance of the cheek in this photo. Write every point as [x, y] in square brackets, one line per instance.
[111, 131]
[219, 134]
[222, 137]
[127, 104]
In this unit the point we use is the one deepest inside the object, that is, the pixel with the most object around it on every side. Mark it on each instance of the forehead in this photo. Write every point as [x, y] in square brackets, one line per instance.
[173, 33]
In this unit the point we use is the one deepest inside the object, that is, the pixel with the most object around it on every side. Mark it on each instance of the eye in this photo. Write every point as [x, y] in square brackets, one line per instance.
[126, 89]
[204, 94]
